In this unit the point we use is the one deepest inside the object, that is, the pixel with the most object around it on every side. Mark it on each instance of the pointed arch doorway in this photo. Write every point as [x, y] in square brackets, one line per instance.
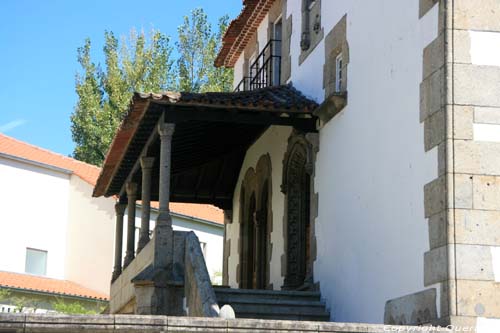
[256, 226]
[299, 234]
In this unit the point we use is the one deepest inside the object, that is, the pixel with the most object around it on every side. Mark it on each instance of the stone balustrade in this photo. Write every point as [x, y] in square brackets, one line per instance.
[38, 323]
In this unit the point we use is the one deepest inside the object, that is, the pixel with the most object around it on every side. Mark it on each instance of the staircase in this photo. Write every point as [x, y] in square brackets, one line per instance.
[273, 304]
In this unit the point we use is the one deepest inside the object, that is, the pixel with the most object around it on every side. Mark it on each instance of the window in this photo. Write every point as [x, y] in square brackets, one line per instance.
[36, 261]
[338, 73]
[203, 249]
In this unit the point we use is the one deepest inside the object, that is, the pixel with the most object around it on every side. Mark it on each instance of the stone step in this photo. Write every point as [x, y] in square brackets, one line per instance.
[264, 301]
[273, 304]
[324, 317]
[274, 309]
[244, 294]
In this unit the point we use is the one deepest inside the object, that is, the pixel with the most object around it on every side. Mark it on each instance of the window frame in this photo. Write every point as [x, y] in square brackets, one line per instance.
[34, 250]
[339, 72]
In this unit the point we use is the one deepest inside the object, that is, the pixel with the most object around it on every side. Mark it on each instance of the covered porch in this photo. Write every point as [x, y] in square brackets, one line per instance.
[183, 147]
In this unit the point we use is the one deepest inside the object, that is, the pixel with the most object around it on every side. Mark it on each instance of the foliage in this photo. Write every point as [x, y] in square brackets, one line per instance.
[4, 294]
[198, 47]
[74, 307]
[218, 78]
[144, 64]
[103, 95]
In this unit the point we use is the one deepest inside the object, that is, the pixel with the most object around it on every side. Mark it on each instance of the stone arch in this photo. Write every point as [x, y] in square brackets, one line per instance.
[299, 239]
[256, 226]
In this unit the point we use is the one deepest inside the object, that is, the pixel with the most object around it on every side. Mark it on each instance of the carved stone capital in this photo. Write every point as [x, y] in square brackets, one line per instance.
[120, 209]
[147, 162]
[166, 129]
[131, 189]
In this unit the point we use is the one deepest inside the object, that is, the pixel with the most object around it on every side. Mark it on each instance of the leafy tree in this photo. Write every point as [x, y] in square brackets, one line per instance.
[103, 95]
[4, 294]
[198, 47]
[218, 79]
[146, 65]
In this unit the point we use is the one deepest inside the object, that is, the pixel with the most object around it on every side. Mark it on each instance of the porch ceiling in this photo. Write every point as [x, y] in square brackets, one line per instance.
[213, 132]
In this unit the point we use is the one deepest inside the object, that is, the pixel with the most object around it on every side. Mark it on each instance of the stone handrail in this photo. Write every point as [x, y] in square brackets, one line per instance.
[198, 290]
[43, 323]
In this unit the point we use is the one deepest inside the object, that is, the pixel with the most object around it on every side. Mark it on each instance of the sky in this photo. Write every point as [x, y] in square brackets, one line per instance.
[38, 64]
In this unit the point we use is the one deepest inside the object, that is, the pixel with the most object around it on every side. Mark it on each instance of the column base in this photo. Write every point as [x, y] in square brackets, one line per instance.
[127, 260]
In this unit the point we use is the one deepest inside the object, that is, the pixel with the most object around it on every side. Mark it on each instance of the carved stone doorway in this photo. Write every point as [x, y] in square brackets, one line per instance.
[297, 171]
[255, 227]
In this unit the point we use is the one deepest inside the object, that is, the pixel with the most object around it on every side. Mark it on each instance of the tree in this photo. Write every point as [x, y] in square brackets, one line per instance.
[75, 307]
[103, 95]
[143, 65]
[198, 47]
[218, 78]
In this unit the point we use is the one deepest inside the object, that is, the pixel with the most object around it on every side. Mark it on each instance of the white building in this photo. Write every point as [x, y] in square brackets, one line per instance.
[54, 234]
[357, 157]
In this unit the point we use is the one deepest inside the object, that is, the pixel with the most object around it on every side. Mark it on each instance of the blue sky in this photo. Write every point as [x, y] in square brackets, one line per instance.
[38, 60]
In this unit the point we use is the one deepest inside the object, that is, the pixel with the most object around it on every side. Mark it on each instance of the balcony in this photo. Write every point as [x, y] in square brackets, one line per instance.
[265, 71]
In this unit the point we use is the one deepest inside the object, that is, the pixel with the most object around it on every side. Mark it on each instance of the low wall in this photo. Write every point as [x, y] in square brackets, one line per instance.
[33, 323]
[122, 290]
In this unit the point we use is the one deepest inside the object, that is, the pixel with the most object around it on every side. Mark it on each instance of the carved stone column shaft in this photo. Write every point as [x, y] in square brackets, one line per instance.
[120, 212]
[146, 166]
[132, 196]
[163, 252]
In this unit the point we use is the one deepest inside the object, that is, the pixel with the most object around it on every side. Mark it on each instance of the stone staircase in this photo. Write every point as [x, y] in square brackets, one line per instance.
[273, 304]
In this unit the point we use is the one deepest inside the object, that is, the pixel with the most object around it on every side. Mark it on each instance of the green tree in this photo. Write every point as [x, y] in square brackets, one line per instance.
[103, 95]
[218, 78]
[198, 47]
[145, 65]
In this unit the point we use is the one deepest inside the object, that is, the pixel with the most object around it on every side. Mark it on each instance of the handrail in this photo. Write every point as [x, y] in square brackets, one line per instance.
[198, 290]
[265, 71]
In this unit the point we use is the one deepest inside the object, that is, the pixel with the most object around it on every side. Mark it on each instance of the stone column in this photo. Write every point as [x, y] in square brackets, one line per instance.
[132, 196]
[166, 299]
[163, 253]
[120, 212]
[146, 166]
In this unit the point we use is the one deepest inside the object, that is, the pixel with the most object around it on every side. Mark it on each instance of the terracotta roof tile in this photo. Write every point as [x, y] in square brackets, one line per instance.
[241, 29]
[14, 147]
[48, 285]
[89, 173]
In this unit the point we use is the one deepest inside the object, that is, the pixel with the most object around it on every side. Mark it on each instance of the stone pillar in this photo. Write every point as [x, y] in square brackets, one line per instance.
[146, 166]
[120, 212]
[166, 298]
[132, 196]
[163, 253]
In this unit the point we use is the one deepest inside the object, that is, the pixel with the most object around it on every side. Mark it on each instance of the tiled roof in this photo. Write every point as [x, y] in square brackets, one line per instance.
[274, 103]
[274, 98]
[48, 285]
[201, 211]
[89, 173]
[241, 30]
[11, 146]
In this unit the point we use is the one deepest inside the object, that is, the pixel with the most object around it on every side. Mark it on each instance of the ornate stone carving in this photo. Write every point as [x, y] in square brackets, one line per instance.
[297, 172]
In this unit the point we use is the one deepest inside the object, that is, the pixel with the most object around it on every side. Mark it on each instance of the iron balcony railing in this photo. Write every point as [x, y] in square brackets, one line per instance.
[265, 71]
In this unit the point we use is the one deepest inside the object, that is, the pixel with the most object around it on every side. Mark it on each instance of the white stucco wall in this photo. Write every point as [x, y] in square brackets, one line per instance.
[273, 142]
[211, 234]
[34, 203]
[371, 168]
[90, 237]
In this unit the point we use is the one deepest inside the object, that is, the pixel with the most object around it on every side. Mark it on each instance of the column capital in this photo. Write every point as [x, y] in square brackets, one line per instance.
[147, 162]
[166, 129]
[131, 189]
[120, 208]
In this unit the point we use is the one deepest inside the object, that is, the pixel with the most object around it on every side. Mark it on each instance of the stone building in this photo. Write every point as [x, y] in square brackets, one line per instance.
[357, 159]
